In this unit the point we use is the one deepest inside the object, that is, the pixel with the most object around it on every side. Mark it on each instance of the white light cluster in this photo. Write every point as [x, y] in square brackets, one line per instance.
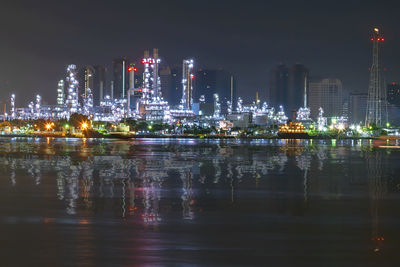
[60, 93]
[88, 103]
[239, 105]
[38, 106]
[12, 101]
[280, 116]
[322, 121]
[303, 114]
[217, 107]
[72, 97]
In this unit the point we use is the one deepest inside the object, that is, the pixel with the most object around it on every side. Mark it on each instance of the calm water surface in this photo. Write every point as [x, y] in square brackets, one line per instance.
[152, 202]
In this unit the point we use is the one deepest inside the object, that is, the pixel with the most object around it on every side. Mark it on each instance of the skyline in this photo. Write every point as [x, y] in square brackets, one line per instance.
[90, 39]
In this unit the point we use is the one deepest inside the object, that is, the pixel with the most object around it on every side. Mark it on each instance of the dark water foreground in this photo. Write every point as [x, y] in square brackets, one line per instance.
[152, 202]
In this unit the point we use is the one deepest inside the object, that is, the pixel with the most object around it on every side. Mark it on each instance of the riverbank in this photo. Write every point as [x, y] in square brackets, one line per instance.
[189, 136]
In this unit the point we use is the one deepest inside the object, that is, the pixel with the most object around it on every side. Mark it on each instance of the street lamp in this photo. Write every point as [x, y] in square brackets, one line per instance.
[48, 126]
[84, 125]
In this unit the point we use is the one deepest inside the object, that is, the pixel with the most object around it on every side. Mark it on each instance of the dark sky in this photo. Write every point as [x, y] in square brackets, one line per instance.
[39, 38]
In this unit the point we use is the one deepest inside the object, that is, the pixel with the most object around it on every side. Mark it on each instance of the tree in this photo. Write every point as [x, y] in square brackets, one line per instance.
[77, 119]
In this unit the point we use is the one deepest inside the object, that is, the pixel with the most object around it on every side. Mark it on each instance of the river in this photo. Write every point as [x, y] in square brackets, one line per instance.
[157, 202]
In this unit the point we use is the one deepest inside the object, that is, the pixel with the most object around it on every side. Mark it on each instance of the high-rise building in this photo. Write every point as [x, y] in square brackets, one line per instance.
[187, 84]
[120, 77]
[393, 94]
[376, 104]
[171, 84]
[210, 82]
[357, 107]
[99, 84]
[279, 86]
[298, 75]
[286, 86]
[328, 94]
[205, 84]
[167, 87]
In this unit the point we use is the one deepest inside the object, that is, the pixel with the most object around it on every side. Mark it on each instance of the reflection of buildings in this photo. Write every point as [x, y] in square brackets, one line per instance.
[95, 177]
[377, 189]
[187, 194]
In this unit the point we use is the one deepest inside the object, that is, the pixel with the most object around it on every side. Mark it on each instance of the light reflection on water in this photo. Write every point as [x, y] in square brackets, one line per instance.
[150, 200]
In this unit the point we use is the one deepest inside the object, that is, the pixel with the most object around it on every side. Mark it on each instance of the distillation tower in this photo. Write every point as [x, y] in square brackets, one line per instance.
[187, 84]
[12, 101]
[376, 102]
[60, 93]
[72, 97]
[152, 106]
[152, 84]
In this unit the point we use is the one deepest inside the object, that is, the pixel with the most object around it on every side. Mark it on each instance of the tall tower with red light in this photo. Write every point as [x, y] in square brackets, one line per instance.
[187, 84]
[376, 102]
[132, 69]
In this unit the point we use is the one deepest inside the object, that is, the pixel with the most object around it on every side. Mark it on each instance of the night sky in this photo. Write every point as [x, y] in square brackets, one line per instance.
[331, 38]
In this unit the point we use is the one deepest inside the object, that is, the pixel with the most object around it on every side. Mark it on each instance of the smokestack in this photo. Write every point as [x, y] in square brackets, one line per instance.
[101, 90]
[305, 90]
[155, 53]
[112, 90]
[156, 83]
[132, 78]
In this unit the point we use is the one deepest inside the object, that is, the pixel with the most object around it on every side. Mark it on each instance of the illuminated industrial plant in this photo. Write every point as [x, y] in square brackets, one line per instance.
[144, 102]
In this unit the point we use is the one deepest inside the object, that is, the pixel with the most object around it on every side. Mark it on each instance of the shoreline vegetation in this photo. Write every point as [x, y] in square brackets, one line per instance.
[80, 126]
[187, 136]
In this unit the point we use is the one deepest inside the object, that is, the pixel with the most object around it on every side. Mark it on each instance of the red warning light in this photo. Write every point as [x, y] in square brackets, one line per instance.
[383, 39]
[135, 69]
[150, 61]
[143, 61]
[372, 39]
[379, 39]
[130, 69]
